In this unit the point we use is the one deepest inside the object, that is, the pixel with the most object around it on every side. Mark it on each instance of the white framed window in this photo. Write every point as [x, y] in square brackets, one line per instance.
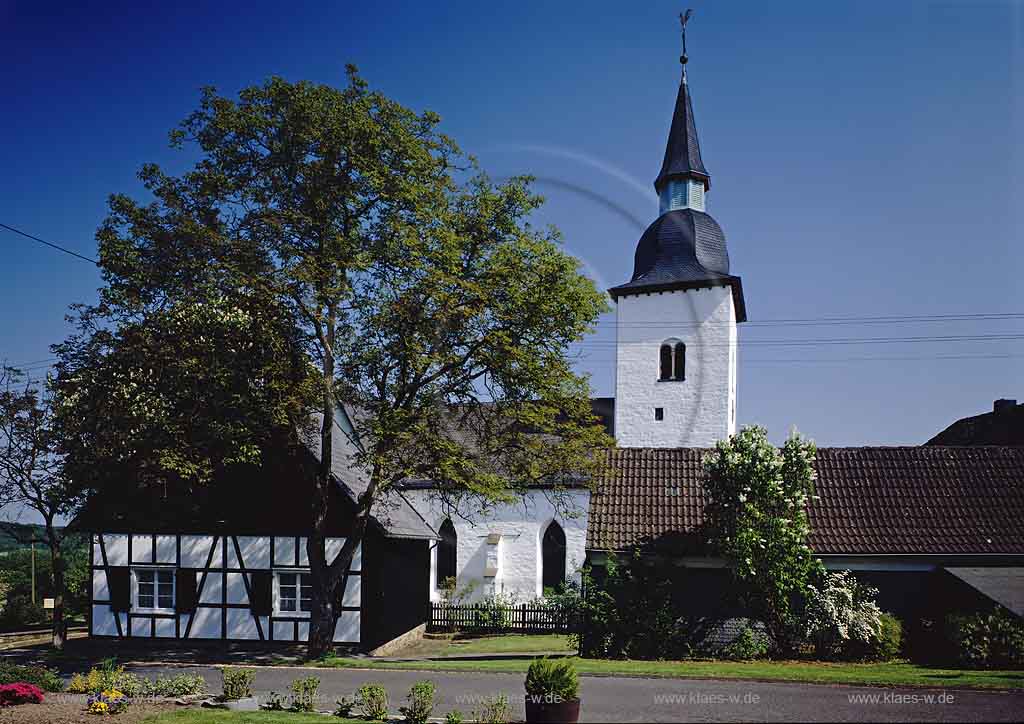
[153, 589]
[293, 593]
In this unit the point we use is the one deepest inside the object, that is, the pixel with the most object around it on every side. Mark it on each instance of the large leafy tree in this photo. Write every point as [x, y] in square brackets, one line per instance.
[422, 295]
[33, 475]
[756, 517]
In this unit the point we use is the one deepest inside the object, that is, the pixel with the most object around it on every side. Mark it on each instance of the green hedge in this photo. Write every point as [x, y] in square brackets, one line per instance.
[46, 679]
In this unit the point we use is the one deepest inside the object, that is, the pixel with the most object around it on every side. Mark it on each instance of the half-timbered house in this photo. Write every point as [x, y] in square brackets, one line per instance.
[232, 565]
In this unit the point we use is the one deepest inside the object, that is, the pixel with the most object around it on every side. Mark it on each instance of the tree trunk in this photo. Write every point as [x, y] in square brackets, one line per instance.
[57, 564]
[321, 619]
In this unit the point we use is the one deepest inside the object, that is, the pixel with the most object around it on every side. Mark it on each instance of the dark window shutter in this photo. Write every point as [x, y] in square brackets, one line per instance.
[185, 590]
[666, 362]
[261, 585]
[680, 367]
[119, 583]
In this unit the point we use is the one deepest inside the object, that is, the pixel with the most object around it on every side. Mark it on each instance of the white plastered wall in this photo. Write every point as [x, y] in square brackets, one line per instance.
[699, 410]
[520, 528]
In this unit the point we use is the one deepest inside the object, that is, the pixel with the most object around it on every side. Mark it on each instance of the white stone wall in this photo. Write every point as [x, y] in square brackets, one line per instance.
[699, 410]
[520, 528]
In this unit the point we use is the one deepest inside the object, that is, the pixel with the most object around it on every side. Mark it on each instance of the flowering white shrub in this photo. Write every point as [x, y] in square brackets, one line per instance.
[841, 617]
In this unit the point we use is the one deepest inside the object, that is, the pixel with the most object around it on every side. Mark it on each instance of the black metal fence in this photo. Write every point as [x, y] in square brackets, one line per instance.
[483, 618]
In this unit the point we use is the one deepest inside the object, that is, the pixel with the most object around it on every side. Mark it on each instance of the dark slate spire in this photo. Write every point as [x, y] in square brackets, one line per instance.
[684, 248]
[682, 153]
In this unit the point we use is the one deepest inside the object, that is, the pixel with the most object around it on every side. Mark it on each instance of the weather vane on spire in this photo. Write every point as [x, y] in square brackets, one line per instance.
[684, 18]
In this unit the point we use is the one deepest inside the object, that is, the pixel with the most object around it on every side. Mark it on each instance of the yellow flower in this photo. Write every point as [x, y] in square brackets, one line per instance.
[79, 684]
[98, 707]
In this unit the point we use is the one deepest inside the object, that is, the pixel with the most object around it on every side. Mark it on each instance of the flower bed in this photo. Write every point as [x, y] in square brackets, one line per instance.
[20, 693]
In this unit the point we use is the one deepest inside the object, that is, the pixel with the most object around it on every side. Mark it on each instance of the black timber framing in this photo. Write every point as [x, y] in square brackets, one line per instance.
[209, 568]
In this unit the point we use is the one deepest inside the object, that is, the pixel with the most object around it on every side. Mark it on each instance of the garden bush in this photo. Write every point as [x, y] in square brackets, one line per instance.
[304, 693]
[749, 644]
[46, 679]
[990, 640]
[629, 612]
[20, 693]
[373, 700]
[174, 686]
[453, 717]
[552, 681]
[889, 643]
[421, 702]
[237, 683]
[841, 619]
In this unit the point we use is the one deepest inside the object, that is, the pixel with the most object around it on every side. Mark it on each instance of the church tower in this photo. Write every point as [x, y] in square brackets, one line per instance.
[675, 359]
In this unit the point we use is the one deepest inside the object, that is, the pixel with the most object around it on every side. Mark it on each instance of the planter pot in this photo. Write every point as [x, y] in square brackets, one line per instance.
[564, 712]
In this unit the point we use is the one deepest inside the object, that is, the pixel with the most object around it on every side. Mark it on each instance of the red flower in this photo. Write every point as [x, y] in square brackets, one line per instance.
[20, 693]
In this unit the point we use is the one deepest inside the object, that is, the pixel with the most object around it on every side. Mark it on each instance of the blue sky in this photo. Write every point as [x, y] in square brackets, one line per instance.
[865, 161]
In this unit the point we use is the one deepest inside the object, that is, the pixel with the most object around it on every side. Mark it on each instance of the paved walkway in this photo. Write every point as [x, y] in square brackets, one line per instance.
[618, 699]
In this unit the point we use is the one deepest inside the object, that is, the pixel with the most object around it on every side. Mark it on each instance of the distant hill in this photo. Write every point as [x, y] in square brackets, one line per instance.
[11, 541]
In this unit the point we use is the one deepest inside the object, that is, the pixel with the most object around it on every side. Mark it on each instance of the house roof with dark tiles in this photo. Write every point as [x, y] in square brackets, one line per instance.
[1002, 426]
[870, 501]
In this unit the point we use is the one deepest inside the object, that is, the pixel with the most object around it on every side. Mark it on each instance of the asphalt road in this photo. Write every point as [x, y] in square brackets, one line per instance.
[622, 699]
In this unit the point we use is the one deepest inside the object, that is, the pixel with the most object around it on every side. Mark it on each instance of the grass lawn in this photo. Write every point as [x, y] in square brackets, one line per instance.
[213, 716]
[508, 645]
[901, 674]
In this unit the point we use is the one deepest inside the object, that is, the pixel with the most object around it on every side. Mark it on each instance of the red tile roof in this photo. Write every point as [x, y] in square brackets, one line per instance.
[871, 500]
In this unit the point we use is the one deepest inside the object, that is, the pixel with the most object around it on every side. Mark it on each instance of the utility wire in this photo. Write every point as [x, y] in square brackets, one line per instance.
[58, 247]
[823, 321]
[608, 344]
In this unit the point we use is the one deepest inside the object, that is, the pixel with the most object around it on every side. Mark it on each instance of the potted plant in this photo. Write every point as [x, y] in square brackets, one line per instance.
[552, 692]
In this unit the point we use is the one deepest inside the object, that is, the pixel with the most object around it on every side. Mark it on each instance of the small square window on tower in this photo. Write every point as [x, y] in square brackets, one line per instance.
[659, 413]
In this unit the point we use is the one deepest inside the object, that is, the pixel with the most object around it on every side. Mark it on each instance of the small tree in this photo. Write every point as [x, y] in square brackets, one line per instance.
[756, 517]
[32, 472]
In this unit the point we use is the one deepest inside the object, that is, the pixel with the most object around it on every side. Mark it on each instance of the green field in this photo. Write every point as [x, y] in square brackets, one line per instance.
[890, 674]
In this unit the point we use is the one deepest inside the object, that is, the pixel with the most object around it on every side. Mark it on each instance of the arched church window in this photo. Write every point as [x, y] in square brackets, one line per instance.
[666, 362]
[679, 367]
[553, 556]
[446, 556]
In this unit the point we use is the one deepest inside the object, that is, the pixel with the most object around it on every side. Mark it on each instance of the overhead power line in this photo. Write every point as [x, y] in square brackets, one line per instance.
[611, 344]
[50, 244]
[822, 321]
